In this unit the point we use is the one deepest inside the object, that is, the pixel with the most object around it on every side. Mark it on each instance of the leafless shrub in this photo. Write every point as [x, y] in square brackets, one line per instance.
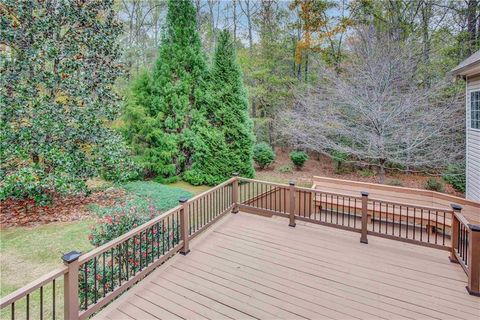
[377, 111]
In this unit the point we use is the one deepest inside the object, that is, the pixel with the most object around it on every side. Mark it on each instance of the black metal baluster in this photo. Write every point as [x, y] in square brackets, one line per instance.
[393, 220]
[421, 225]
[355, 218]
[443, 231]
[28, 306]
[140, 248]
[126, 258]
[111, 261]
[178, 228]
[134, 255]
[103, 275]
[85, 290]
[414, 222]
[41, 302]
[168, 227]
[337, 203]
[152, 238]
[436, 227]
[95, 279]
[429, 227]
[158, 239]
[406, 231]
[53, 299]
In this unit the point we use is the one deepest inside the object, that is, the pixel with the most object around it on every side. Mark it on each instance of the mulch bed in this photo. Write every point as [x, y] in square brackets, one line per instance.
[25, 213]
[323, 166]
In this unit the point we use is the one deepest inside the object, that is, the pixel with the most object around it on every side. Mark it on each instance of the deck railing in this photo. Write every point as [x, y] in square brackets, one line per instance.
[465, 249]
[39, 299]
[92, 280]
[410, 223]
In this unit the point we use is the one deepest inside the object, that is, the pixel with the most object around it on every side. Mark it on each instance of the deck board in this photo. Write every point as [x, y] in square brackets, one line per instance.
[252, 267]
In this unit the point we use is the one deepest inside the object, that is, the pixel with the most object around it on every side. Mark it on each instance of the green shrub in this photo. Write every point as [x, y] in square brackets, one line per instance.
[338, 159]
[434, 185]
[366, 173]
[263, 155]
[33, 182]
[55, 123]
[395, 182]
[285, 169]
[133, 255]
[298, 158]
[455, 175]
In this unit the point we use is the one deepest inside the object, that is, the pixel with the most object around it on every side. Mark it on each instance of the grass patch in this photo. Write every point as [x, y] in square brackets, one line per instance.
[298, 183]
[28, 253]
[187, 186]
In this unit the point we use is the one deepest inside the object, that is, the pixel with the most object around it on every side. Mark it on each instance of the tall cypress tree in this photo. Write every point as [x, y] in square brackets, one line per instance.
[163, 106]
[226, 144]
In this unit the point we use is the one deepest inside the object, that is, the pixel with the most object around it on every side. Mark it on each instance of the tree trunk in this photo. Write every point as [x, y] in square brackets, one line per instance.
[426, 15]
[306, 66]
[381, 171]
[212, 19]
[235, 21]
[249, 20]
[471, 25]
[381, 174]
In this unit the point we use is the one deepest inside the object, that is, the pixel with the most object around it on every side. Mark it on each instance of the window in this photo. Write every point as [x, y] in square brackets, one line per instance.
[475, 110]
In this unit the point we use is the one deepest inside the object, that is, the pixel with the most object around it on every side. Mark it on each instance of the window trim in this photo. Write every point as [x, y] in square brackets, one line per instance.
[470, 127]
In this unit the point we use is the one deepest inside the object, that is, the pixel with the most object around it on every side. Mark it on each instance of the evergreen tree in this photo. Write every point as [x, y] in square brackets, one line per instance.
[163, 107]
[225, 145]
[58, 64]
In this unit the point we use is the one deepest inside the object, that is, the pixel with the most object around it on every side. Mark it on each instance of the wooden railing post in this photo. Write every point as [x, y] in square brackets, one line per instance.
[363, 237]
[235, 193]
[291, 210]
[474, 260]
[184, 225]
[70, 285]
[454, 232]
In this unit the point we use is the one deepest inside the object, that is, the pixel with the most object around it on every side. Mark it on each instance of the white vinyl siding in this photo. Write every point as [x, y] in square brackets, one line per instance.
[473, 144]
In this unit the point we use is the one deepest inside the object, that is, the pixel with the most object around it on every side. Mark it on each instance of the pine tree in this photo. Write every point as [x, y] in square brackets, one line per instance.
[226, 144]
[163, 107]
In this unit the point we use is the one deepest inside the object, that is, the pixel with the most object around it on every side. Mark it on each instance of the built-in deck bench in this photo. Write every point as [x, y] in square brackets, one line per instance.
[421, 203]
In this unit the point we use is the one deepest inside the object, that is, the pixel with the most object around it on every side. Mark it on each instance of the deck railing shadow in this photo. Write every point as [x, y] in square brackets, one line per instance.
[92, 280]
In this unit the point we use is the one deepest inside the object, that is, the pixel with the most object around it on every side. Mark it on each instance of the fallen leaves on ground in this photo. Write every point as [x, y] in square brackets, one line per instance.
[14, 213]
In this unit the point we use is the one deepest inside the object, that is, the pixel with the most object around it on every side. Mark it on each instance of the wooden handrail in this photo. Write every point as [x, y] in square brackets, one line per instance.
[211, 190]
[344, 195]
[32, 286]
[403, 204]
[462, 219]
[107, 246]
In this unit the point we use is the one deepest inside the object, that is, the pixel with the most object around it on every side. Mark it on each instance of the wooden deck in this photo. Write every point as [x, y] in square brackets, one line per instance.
[248, 266]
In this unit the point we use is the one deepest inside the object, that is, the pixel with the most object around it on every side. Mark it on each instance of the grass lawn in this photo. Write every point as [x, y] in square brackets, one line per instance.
[28, 253]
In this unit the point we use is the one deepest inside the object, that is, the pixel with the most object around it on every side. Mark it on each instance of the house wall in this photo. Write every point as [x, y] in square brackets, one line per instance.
[473, 146]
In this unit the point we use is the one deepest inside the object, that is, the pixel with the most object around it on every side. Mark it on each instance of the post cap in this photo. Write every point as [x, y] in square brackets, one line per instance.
[474, 227]
[456, 206]
[71, 256]
[183, 199]
[291, 182]
[364, 193]
[235, 174]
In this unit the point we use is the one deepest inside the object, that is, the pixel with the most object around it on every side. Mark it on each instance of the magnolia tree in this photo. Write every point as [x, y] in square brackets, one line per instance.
[377, 112]
[58, 65]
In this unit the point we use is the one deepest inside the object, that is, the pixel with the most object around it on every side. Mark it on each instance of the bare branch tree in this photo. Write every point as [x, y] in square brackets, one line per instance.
[377, 112]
